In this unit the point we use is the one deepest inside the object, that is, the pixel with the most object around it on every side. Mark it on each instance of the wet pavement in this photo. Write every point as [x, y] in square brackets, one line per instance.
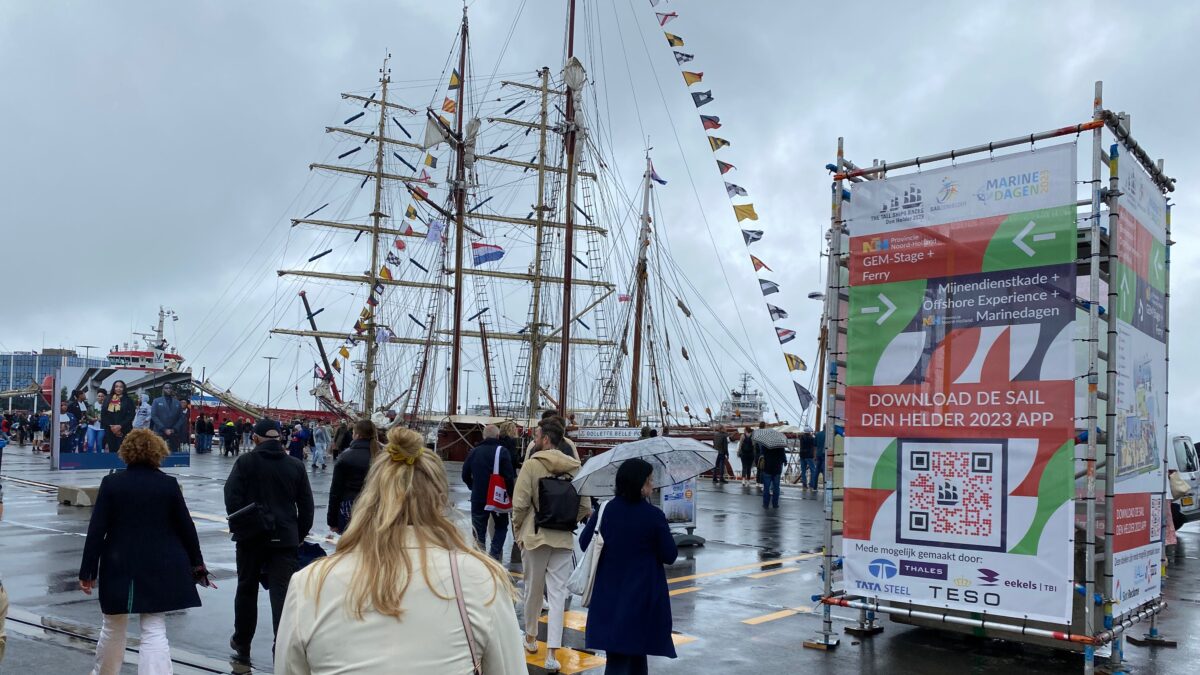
[741, 603]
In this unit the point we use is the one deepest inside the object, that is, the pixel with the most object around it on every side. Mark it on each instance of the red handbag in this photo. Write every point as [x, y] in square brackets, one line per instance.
[498, 499]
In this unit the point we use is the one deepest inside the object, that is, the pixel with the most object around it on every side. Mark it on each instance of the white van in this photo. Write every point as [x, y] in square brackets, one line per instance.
[1185, 461]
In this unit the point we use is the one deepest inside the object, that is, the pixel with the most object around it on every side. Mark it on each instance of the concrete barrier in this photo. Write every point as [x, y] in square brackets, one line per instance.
[77, 495]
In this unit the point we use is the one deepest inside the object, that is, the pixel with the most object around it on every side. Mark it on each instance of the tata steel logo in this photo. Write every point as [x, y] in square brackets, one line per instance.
[988, 577]
[949, 191]
[882, 568]
[1015, 186]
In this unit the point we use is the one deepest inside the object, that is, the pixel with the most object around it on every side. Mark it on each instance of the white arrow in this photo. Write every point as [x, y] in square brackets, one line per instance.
[1158, 266]
[1124, 291]
[875, 310]
[1019, 240]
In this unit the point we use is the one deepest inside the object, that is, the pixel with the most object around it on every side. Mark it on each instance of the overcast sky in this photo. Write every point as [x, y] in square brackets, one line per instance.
[152, 147]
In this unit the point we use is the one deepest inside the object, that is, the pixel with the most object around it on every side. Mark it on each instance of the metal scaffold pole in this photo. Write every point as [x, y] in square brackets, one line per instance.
[1090, 421]
[1110, 388]
[827, 639]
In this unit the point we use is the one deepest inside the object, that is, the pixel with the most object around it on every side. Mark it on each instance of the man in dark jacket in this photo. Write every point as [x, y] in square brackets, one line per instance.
[773, 460]
[269, 477]
[489, 457]
[167, 418]
[808, 460]
[721, 445]
[349, 476]
[341, 440]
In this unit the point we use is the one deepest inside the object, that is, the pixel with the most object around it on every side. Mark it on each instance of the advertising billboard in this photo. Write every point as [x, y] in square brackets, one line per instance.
[960, 369]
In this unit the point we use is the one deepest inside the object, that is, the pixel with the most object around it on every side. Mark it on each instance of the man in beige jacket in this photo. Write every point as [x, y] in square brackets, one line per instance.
[547, 554]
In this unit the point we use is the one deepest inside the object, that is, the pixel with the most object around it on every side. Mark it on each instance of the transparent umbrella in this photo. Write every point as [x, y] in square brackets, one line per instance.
[674, 460]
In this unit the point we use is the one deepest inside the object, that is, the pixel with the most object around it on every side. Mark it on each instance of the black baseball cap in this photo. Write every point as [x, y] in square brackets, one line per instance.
[266, 428]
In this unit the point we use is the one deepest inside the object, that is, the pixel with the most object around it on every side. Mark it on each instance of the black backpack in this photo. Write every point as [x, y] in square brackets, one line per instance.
[558, 504]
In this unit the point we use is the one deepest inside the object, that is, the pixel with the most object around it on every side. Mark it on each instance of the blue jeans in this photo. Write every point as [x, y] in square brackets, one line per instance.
[203, 443]
[770, 483]
[318, 455]
[808, 472]
[479, 521]
[93, 440]
[820, 471]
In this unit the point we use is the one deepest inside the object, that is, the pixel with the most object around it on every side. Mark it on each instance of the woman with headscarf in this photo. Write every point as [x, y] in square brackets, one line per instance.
[116, 417]
[405, 590]
[630, 613]
[142, 550]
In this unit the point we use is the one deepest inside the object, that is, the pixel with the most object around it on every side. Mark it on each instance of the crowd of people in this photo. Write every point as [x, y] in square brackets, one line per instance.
[400, 556]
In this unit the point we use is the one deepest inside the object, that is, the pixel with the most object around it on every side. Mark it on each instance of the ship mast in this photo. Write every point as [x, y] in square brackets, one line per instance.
[460, 208]
[568, 220]
[535, 325]
[376, 216]
[640, 301]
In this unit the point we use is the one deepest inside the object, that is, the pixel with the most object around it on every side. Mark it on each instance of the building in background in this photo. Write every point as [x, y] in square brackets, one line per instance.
[20, 369]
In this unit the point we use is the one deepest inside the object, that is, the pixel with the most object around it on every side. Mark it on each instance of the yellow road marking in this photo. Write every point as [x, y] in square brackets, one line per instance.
[754, 621]
[685, 589]
[570, 661]
[763, 575]
[741, 568]
[573, 620]
[679, 639]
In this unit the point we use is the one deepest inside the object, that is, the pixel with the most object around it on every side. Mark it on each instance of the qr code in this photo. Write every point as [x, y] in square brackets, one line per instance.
[952, 493]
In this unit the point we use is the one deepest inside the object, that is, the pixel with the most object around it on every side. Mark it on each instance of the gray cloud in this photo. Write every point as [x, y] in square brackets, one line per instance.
[155, 149]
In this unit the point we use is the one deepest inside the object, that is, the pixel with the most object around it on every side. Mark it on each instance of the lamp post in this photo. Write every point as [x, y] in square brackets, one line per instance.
[467, 407]
[270, 362]
[87, 354]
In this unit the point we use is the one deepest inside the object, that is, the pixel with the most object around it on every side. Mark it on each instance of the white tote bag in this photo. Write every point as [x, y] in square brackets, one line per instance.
[584, 575]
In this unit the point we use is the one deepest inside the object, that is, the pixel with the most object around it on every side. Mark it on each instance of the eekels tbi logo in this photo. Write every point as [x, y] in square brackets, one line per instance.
[1015, 186]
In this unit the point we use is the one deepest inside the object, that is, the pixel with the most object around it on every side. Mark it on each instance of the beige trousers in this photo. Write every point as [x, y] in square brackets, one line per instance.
[549, 568]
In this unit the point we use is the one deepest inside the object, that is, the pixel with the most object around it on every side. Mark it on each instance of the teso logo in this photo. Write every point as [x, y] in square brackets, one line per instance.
[988, 577]
[882, 568]
[1015, 186]
[949, 191]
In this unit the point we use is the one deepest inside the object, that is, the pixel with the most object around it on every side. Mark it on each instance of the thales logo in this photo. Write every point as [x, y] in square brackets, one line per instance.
[1015, 186]
[988, 577]
[882, 568]
[949, 191]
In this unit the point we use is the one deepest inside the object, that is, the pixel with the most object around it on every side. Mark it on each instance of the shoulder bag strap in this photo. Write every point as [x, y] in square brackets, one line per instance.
[462, 613]
[496, 460]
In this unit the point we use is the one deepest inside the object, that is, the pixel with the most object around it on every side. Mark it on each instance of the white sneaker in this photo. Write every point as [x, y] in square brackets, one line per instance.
[552, 664]
[531, 644]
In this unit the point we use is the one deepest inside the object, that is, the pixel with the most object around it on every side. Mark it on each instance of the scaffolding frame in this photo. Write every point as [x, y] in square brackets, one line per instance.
[1100, 628]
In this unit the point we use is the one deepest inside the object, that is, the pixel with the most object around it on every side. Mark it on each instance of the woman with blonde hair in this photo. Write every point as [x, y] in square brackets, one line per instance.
[142, 545]
[404, 590]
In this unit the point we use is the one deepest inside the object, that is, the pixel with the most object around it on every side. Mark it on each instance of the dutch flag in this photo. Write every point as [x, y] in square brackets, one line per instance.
[483, 253]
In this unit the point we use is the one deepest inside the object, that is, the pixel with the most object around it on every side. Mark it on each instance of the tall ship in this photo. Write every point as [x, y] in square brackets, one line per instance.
[473, 251]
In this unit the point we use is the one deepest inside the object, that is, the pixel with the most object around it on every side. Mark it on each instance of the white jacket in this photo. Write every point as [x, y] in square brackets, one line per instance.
[428, 639]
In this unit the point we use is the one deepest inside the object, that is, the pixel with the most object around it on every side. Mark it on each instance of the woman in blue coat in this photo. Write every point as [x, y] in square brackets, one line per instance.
[143, 551]
[630, 614]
